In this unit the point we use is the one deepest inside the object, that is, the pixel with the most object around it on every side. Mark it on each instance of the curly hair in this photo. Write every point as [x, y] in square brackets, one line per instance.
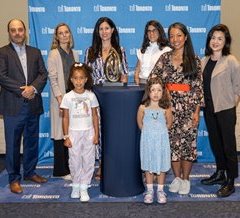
[164, 102]
[87, 71]
[162, 40]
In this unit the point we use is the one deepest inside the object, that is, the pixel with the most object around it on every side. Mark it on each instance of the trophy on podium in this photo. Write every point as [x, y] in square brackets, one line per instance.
[113, 67]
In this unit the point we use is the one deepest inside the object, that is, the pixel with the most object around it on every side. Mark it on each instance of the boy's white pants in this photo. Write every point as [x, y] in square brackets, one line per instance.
[81, 156]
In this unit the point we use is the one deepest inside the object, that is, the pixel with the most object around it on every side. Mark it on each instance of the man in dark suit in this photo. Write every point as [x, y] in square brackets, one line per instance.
[22, 79]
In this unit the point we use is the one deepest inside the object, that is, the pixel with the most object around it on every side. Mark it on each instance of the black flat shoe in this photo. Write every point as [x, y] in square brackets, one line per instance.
[218, 178]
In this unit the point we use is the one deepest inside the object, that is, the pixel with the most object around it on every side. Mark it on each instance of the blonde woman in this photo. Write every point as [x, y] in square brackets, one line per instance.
[60, 59]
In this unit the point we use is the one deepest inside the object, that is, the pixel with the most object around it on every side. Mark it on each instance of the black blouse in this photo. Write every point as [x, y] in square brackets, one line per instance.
[67, 62]
[207, 75]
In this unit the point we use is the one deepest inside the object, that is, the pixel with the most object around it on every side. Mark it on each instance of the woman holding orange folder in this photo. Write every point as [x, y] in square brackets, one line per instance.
[180, 69]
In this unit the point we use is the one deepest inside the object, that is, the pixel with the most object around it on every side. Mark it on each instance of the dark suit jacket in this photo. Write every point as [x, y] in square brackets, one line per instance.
[12, 77]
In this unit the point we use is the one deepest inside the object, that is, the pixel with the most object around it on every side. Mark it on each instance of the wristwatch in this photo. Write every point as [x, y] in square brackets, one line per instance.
[65, 137]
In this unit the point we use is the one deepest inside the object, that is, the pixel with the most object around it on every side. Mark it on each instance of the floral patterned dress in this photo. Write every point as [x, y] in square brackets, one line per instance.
[182, 134]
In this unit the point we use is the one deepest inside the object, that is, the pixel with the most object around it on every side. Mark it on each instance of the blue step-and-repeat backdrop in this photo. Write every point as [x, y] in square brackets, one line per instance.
[130, 17]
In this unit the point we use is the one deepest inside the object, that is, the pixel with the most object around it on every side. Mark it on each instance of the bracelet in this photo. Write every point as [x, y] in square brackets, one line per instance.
[65, 137]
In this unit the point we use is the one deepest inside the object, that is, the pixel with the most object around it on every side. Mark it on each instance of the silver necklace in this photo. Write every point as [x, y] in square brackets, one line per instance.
[155, 116]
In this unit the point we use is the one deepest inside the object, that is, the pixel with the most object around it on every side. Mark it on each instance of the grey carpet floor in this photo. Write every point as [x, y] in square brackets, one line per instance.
[118, 210]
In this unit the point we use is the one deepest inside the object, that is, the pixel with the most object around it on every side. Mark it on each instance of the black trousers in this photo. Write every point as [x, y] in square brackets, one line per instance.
[221, 130]
[60, 163]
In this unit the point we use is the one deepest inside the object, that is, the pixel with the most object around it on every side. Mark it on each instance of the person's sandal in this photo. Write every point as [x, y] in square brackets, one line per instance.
[161, 197]
[148, 198]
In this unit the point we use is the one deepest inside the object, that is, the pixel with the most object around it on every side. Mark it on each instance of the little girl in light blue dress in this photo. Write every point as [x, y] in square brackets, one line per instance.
[154, 118]
[154, 145]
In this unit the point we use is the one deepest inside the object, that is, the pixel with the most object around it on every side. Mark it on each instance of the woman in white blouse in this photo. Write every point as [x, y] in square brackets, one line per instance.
[154, 45]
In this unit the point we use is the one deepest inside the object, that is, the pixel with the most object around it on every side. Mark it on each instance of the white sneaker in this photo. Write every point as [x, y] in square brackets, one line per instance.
[148, 198]
[175, 185]
[67, 177]
[184, 187]
[75, 191]
[84, 197]
[161, 197]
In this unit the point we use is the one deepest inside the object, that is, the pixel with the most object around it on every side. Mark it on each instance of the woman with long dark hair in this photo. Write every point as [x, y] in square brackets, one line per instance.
[180, 69]
[106, 57]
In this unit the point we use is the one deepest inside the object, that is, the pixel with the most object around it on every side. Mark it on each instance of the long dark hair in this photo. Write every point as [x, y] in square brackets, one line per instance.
[87, 71]
[228, 39]
[162, 39]
[164, 102]
[96, 47]
[189, 58]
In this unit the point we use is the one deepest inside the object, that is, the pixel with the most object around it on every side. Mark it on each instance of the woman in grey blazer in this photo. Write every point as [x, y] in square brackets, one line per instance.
[60, 59]
[221, 79]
